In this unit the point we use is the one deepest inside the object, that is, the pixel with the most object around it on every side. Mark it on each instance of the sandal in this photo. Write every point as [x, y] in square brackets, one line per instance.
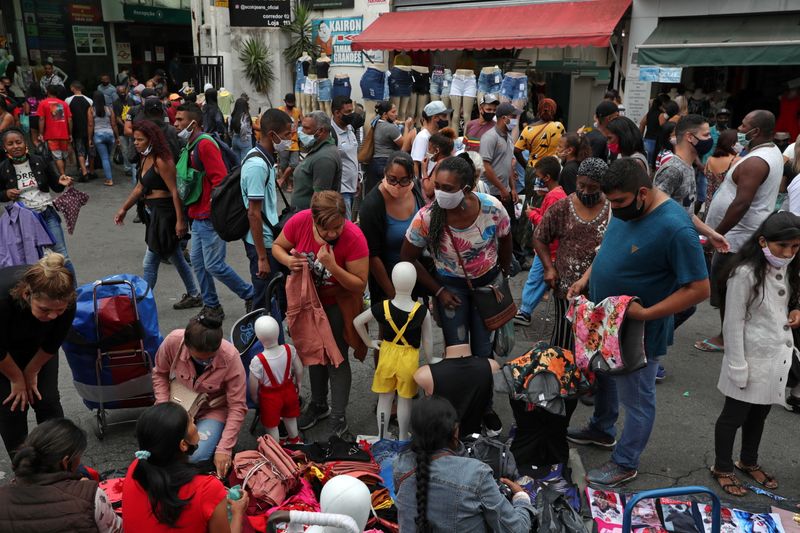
[108, 183]
[729, 483]
[765, 480]
[706, 345]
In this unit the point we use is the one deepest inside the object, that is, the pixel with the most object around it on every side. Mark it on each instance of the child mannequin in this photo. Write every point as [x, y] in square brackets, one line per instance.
[275, 377]
[404, 321]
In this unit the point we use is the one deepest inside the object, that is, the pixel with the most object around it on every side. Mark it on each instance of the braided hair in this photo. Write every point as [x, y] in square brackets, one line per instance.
[434, 421]
[465, 171]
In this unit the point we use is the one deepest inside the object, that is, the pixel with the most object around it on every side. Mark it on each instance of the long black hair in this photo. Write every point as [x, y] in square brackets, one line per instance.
[46, 446]
[434, 422]
[465, 172]
[99, 104]
[240, 109]
[401, 158]
[159, 432]
[629, 135]
[779, 226]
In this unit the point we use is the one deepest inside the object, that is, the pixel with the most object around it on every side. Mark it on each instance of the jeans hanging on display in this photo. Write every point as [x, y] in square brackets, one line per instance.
[514, 89]
[299, 76]
[490, 82]
[324, 90]
[341, 86]
[464, 85]
[441, 79]
[374, 85]
[399, 82]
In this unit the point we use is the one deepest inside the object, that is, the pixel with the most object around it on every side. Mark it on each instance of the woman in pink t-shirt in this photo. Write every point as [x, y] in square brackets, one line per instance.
[336, 252]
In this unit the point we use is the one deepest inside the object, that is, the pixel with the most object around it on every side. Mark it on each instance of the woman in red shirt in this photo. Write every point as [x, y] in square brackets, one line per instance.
[162, 491]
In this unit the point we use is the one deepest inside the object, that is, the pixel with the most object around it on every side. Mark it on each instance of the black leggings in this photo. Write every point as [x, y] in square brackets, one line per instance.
[14, 426]
[737, 414]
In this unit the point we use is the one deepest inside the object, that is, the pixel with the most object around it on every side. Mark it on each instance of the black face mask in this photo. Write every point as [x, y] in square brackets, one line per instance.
[348, 119]
[441, 123]
[632, 211]
[589, 199]
[488, 117]
[357, 121]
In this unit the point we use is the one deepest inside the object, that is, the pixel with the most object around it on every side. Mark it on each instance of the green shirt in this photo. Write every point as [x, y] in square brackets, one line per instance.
[321, 170]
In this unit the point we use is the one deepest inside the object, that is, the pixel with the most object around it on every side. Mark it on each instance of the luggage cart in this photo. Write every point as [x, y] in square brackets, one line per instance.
[716, 506]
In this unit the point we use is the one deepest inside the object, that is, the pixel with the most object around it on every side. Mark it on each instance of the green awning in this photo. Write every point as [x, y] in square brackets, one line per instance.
[768, 39]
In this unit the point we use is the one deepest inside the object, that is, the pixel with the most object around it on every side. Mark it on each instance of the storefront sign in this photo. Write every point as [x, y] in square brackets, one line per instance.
[46, 31]
[156, 15]
[637, 94]
[334, 36]
[89, 40]
[260, 13]
[83, 13]
[124, 53]
[660, 74]
[331, 4]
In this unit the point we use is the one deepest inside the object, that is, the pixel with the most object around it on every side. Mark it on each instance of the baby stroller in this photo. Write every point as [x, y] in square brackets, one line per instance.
[111, 345]
[243, 335]
[672, 493]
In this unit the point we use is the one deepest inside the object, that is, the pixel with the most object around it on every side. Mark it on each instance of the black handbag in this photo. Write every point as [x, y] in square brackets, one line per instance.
[493, 301]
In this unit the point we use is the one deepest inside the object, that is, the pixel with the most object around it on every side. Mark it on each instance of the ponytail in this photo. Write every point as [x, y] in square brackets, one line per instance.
[423, 475]
[46, 446]
[48, 278]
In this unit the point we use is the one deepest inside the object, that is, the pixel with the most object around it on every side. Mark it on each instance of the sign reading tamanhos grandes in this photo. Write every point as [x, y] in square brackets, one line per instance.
[334, 37]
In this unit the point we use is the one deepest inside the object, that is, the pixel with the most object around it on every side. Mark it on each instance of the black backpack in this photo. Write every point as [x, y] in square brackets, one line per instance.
[228, 211]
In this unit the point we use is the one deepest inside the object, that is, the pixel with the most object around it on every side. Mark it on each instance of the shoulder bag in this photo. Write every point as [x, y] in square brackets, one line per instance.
[493, 301]
[179, 393]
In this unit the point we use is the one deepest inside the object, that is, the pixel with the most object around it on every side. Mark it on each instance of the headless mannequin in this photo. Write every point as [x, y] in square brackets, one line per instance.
[461, 105]
[402, 102]
[369, 105]
[423, 375]
[488, 71]
[404, 277]
[324, 106]
[300, 97]
[418, 101]
[267, 330]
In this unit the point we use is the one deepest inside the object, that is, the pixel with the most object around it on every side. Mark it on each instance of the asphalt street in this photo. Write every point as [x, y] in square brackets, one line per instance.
[680, 449]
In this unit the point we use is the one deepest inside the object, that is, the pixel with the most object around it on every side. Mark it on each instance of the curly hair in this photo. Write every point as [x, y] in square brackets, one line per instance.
[156, 137]
[465, 172]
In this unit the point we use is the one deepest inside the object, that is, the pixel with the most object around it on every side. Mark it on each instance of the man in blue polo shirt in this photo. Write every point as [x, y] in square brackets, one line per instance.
[259, 196]
[650, 250]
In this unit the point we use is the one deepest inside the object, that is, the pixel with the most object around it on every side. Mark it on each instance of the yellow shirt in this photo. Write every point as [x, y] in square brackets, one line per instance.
[296, 117]
[541, 140]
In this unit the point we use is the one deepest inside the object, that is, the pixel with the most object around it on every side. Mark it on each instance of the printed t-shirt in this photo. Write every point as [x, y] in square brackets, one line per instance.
[413, 333]
[205, 491]
[677, 179]
[651, 258]
[258, 183]
[29, 192]
[477, 243]
[56, 114]
[541, 140]
[473, 133]
[351, 246]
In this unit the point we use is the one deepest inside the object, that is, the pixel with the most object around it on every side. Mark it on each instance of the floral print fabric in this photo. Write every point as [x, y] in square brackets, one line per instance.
[477, 243]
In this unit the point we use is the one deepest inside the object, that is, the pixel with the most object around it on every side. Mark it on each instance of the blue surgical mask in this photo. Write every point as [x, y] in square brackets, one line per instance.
[306, 140]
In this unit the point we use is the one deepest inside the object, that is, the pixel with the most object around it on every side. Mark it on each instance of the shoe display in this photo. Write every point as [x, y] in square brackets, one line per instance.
[187, 302]
[587, 435]
[610, 475]
[313, 414]
[523, 319]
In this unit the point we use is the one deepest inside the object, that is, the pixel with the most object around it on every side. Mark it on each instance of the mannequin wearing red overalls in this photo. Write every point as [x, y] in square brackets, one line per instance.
[275, 378]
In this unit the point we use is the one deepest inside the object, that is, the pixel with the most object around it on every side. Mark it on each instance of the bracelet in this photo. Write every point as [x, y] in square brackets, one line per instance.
[439, 292]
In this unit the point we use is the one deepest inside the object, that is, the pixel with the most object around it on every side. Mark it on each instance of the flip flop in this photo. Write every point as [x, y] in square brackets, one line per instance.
[108, 183]
[706, 345]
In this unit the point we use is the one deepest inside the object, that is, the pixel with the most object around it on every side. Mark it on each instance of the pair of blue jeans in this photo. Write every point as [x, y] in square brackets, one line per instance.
[490, 82]
[400, 82]
[240, 147]
[514, 88]
[534, 288]
[299, 76]
[260, 285]
[152, 261]
[440, 82]
[637, 394]
[348, 204]
[373, 84]
[53, 222]
[341, 87]
[104, 143]
[210, 432]
[463, 324]
[208, 261]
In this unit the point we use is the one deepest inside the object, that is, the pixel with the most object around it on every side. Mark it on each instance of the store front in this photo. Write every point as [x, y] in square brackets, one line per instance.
[559, 49]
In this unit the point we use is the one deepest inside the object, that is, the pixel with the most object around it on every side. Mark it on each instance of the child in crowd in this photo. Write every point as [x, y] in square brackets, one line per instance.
[547, 172]
[763, 288]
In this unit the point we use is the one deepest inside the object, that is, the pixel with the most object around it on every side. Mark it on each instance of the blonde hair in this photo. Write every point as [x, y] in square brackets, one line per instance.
[327, 207]
[48, 278]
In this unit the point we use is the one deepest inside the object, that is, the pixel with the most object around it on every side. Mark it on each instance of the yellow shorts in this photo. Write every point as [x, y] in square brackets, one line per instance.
[395, 370]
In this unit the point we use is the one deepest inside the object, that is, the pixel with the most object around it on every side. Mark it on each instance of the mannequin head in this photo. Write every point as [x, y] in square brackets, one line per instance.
[404, 277]
[267, 331]
[348, 496]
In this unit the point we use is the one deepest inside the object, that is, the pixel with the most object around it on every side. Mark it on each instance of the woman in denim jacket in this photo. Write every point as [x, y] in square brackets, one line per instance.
[440, 489]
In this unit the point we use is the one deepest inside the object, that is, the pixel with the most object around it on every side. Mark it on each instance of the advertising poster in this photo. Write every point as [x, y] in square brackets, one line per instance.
[260, 13]
[89, 40]
[334, 37]
[124, 53]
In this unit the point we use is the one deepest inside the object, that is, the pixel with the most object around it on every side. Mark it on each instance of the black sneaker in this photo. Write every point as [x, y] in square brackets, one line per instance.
[215, 312]
[187, 302]
[248, 305]
[522, 318]
[340, 429]
[492, 424]
[589, 436]
[313, 414]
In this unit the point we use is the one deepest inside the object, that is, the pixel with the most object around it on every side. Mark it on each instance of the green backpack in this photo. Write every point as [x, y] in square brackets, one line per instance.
[189, 180]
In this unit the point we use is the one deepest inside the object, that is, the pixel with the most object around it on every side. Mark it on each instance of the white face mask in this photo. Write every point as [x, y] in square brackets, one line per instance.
[776, 262]
[282, 145]
[186, 132]
[147, 150]
[449, 200]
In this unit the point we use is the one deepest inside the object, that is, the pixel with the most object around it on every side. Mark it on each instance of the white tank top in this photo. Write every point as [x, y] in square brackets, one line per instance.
[763, 203]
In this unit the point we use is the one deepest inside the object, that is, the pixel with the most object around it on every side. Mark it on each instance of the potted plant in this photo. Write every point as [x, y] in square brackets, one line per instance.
[256, 58]
[299, 33]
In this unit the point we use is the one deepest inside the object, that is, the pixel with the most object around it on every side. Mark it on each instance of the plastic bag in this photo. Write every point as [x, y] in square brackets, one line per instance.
[555, 515]
[504, 340]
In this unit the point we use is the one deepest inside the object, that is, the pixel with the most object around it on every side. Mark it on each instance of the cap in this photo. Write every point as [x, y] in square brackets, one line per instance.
[146, 93]
[489, 98]
[436, 107]
[503, 110]
[723, 111]
[174, 96]
[606, 108]
[207, 86]
[152, 103]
